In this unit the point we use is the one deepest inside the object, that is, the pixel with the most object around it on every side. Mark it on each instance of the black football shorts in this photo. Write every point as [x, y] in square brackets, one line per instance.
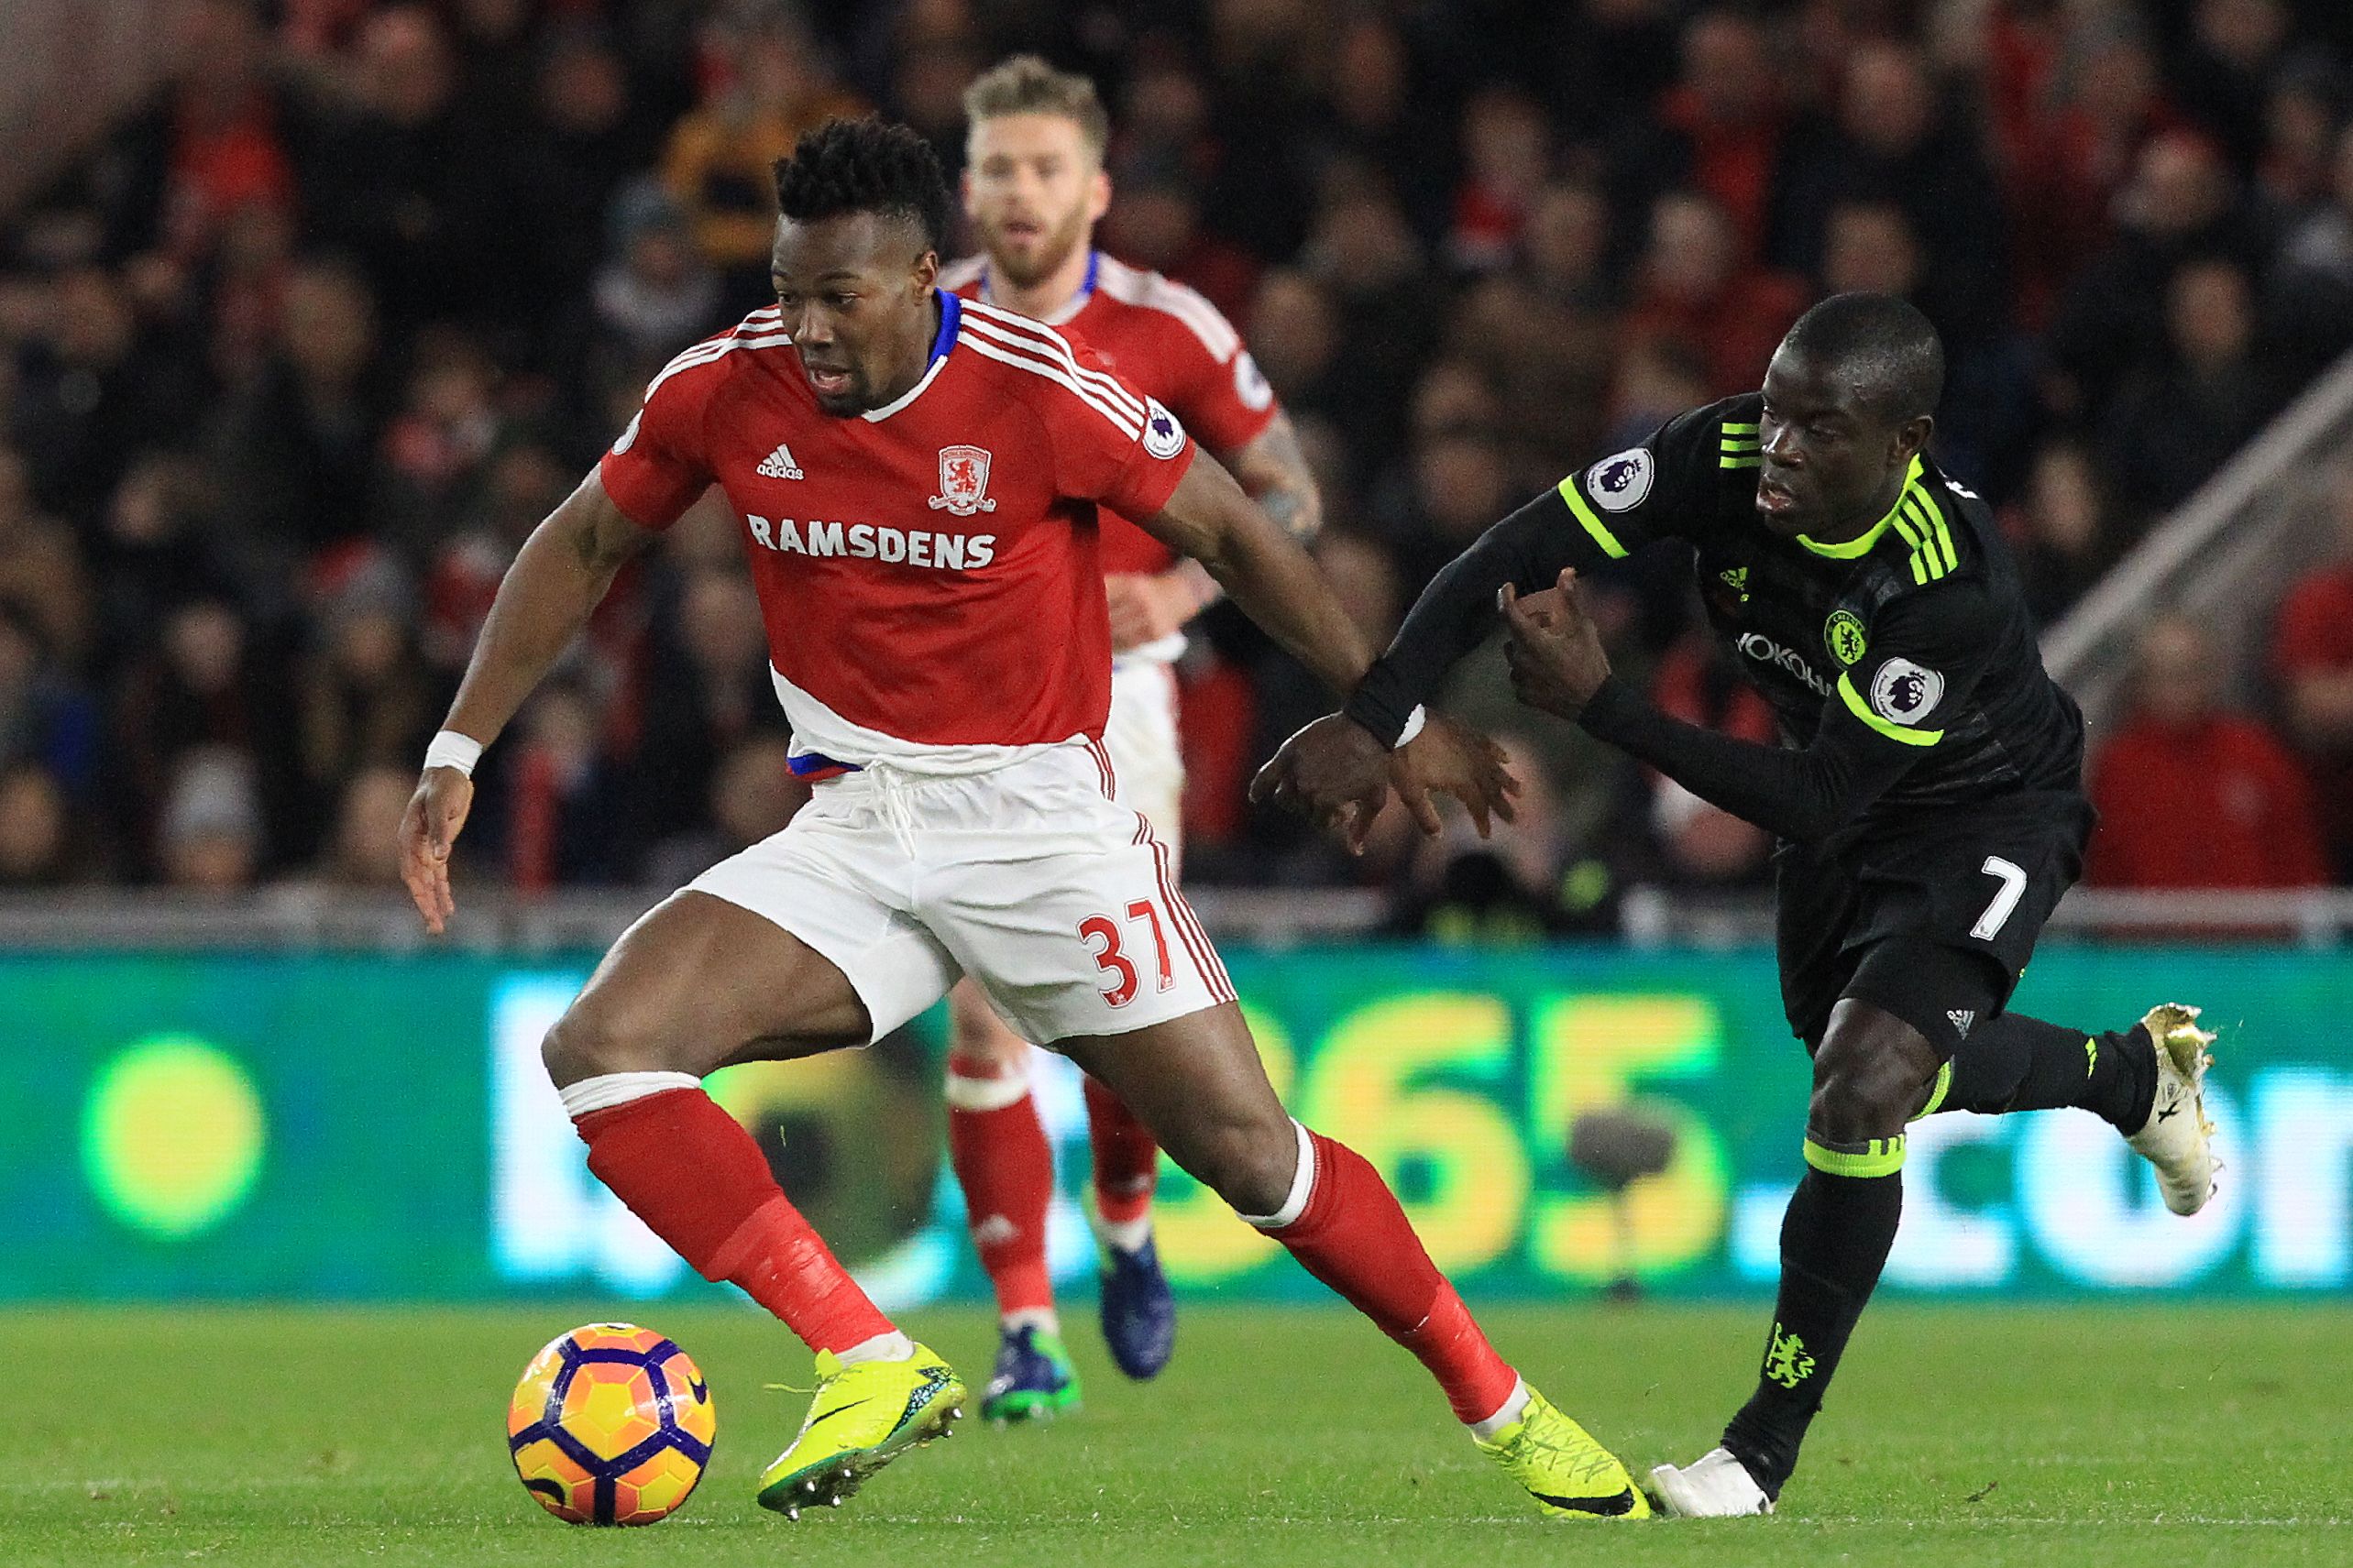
[1932, 918]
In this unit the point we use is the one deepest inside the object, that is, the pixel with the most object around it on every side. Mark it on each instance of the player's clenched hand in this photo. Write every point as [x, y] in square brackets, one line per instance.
[1334, 772]
[1146, 606]
[1553, 647]
[1447, 758]
[428, 828]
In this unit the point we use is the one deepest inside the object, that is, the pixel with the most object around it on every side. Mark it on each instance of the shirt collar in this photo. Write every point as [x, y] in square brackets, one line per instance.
[1861, 544]
[951, 313]
[1062, 315]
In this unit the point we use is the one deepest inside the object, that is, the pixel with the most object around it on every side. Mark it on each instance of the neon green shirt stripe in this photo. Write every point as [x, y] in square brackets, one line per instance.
[1930, 526]
[1751, 461]
[1912, 534]
[1925, 503]
[1585, 515]
[1917, 530]
[1862, 709]
[1880, 1156]
[1860, 546]
[1852, 548]
[1734, 427]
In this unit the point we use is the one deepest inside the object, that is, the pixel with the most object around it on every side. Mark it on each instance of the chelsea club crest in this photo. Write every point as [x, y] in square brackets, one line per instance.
[1842, 635]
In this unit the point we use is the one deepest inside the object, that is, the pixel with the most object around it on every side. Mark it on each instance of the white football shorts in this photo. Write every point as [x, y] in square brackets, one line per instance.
[1142, 736]
[1031, 878]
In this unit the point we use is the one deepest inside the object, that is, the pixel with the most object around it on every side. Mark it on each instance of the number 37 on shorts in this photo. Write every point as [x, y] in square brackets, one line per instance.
[1102, 934]
[1149, 958]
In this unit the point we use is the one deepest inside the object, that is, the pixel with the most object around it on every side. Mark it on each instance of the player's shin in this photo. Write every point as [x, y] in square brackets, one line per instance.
[2011, 1062]
[1126, 1168]
[1002, 1160]
[1835, 1241]
[1343, 1225]
[691, 1172]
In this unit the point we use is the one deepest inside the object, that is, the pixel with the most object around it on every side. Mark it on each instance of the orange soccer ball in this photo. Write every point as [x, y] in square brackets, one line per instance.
[610, 1424]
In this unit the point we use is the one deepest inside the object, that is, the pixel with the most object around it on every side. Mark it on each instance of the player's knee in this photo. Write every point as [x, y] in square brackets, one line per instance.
[1248, 1162]
[1862, 1089]
[593, 1039]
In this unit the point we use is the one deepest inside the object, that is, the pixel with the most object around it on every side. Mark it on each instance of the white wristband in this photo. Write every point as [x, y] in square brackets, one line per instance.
[1414, 722]
[451, 750]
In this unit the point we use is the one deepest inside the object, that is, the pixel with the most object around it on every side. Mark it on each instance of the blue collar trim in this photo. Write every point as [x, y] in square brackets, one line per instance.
[952, 312]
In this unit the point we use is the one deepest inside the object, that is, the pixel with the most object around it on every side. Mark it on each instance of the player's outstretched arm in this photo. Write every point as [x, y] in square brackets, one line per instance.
[557, 579]
[1209, 518]
[1331, 757]
[1264, 569]
[1527, 550]
[1558, 666]
[1273, 472]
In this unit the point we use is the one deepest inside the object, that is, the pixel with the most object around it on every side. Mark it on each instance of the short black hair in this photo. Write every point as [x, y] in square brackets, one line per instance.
[1883, 343]
[867, 165]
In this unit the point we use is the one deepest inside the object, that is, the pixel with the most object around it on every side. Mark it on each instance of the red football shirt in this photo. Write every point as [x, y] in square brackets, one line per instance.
[930, 572]
[1164, 340]
[2218, 803]
[2313, 634]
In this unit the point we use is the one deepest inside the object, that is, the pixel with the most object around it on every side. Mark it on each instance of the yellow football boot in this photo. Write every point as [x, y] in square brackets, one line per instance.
[1564, 1469]
[862, 1417]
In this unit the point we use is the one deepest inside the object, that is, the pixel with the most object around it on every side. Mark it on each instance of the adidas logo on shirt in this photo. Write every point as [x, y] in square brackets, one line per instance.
[779, 465]
[1962, 1018]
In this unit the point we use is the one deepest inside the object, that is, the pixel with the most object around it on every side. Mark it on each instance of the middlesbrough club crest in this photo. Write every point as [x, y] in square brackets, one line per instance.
[963, 481]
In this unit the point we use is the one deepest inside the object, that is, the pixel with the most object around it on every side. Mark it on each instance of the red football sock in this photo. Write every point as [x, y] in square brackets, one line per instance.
[1126, 1157]
[1354, 1237]
[691, 1172]
[1007, 1169]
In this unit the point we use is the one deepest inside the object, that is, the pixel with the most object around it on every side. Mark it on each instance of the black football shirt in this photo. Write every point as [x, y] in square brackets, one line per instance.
[1902, 665]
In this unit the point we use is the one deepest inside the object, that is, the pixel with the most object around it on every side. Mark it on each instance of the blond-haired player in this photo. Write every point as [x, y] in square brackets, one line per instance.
[1034, 186]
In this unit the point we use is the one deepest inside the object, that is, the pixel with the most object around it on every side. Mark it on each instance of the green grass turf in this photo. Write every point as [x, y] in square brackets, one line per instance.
[2156, 1438]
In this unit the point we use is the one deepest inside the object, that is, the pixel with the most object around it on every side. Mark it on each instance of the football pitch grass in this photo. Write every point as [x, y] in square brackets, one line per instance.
[2154, 1437]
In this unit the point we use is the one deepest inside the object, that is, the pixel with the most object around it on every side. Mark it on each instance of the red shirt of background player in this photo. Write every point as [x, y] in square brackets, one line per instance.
[930, 571]
[1163, 339]
[2313, 635]
[2218, 803]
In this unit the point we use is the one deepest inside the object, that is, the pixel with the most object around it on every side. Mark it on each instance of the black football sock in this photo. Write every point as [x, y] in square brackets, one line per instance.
[1835, 1241]
[2011, 1062]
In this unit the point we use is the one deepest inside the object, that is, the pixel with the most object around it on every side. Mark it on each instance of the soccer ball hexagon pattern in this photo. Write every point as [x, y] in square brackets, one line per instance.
[610, 1424]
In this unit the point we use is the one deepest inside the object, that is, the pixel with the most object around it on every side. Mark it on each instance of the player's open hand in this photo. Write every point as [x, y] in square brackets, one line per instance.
[1553, 647]
[1453, 759]
[1333, 771]
[429, 828]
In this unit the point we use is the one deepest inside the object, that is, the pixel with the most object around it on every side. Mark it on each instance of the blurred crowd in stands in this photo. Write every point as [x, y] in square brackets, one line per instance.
[290, 363]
